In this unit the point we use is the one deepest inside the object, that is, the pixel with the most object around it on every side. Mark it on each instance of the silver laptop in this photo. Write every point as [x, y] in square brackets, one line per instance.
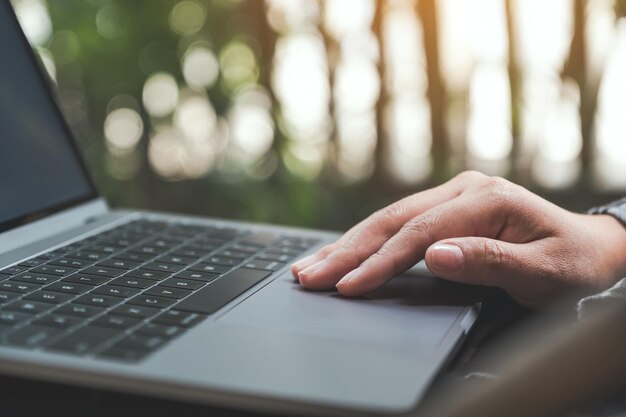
[185, 308]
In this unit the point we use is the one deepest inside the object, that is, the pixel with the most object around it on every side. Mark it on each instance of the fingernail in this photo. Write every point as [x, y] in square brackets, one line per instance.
[347, 278]
[447, 257]
[307, 272]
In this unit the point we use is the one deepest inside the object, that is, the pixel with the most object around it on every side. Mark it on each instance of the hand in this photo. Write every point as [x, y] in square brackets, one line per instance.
[479, 230]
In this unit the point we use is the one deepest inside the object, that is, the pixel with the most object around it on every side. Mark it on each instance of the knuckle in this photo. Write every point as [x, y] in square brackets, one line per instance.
[382, 220]
[328, 249]
[422, 225]
[499, 190]
[494, 255]
[470, 176]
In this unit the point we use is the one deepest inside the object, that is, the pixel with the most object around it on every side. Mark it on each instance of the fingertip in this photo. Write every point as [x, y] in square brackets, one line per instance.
[313, 276]
[294, 272]
[354, 284]
[305, 264]
[345, 289]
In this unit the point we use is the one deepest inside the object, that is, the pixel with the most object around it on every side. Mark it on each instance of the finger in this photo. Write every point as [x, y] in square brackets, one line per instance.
[519, 269]
[364, 240]
[323, 252]
[310, 260]
[451, 219]
[478, 260]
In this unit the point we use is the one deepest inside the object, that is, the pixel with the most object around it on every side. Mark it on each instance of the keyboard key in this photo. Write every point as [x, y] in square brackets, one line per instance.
[197, 276]
[258, 239]
[48, 297]
[179, 318]
[30, 336]
[97, 300]
[264, 265]
[239, 247]
[28, 307]
[216, 269]
[222, 261]
[36, 278]
[104, 271]
[68, 287]
[29, 263]
[131, 282]
[175, 293]
[143, 273]
[182, 283]
[220, 292]
[297, 242]
[159, 330]
[117, 322]
[53, 254]
[148, 250]
[163, 267]
[125, 355]
[115, 291]
[135, 257]
[274, 257]
[227, 233]
[54, 270]
[109, 249]
[85, 279]
[7, 297]
[119, 263]
[123, 242]
[88, 256]
[139, 312]
[228, 253]
[151, 301]
[72, 263]
[58, 321]
[12, 318]
[177, 260]
[77, 310]
[189, 253]
[140, 343]
[204, 248]
[18, 287]
[163, 243]
[13, 270]
[85, 339]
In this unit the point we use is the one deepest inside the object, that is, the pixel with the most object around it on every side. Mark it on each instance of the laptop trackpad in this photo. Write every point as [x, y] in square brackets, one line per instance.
[408, 311]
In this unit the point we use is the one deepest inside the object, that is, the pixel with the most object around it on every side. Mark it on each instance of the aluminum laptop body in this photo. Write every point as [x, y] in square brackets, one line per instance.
[272, 347]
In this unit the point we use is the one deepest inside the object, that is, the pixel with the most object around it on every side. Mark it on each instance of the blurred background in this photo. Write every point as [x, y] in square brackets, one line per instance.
[317, 112]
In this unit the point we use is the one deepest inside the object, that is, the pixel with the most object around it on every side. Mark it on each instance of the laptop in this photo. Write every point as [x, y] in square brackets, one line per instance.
[185, 308]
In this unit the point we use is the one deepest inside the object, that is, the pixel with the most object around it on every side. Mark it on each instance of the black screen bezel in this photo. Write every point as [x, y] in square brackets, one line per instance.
[52, 100]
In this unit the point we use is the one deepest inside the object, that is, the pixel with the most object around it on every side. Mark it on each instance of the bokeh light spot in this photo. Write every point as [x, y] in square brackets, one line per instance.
[187, 17]
[160, 94]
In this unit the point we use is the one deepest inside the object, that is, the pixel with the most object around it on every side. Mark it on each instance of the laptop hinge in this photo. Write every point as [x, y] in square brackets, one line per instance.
[52, 225]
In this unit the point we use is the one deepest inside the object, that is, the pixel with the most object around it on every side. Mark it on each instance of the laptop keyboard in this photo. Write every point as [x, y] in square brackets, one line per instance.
[126, 292]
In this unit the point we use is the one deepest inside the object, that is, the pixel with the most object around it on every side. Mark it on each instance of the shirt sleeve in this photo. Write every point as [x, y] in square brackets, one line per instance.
[617, 293]
[616, 209]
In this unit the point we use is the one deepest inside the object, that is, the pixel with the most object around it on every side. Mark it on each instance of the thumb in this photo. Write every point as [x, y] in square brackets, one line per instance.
[479, 261]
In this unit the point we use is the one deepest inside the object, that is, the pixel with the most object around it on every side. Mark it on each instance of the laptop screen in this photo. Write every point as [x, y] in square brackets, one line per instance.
[40, 169]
